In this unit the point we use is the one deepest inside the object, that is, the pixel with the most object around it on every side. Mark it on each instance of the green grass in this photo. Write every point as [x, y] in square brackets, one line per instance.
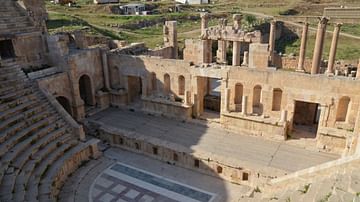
[347, 48]
[98, 20]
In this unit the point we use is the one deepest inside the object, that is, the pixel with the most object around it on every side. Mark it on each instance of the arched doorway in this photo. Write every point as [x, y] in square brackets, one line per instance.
[257, 106]
[181, 85]
[239, 91]
[65, 103]
[153, 82]
[167, 84]
[277, 97]
[86, 90]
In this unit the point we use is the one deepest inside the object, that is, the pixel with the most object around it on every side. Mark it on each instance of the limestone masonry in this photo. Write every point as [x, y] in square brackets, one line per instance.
[203, 110]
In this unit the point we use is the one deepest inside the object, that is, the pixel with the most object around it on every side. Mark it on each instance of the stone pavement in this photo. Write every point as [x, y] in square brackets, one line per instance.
[197, 137]
[111, 178]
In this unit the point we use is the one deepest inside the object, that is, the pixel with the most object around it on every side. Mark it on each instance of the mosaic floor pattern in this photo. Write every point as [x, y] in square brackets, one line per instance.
[123, 183]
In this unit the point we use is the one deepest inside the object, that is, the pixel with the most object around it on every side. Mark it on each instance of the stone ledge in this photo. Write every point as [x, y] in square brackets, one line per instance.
[231, 169]
[257, 119]
[77, 129]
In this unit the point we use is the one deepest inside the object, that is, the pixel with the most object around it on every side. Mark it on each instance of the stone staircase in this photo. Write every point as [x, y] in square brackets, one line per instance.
[38, 148]
[13, 18]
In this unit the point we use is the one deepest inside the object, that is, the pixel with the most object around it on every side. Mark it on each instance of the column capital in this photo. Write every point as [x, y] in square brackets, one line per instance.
[338, 25]
[273, 22]
[237, 17]
[323, 20]
[204, 15]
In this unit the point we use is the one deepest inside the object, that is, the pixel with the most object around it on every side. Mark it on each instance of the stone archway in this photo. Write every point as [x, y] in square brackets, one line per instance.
[167, 84]
[65, 103]
[257, 98]
[86, 92]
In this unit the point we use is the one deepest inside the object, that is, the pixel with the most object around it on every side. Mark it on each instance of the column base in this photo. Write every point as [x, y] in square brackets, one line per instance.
[329, 74]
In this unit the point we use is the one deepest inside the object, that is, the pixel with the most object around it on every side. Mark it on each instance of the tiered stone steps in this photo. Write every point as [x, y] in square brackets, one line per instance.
[14, 19]
[35, 142]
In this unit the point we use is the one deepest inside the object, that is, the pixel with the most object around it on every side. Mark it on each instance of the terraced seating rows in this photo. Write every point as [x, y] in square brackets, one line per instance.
[14, 19]
[35, 141]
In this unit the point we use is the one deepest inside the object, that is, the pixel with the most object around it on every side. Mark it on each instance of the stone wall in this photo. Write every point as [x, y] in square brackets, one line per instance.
[193, 51]
[122, 66]
[57, 85]
[259, 56]
[318, 89]
[170, 109]
[230, 170]
[267, 128]
[166, 53]
[291, 63]
[30, 48]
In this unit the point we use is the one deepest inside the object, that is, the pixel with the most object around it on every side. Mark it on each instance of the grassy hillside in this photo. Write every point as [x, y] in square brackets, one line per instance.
[99, 19]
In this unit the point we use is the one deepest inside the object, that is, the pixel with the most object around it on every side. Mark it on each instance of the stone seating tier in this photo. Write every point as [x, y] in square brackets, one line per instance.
[37, 146]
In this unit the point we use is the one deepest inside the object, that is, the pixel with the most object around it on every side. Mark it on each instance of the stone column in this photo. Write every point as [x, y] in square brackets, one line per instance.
[206, 43]
[237, 21]
[272, 36]
[144, 86]
[196, 106]
[246, 58]
[236, 53]
[302, 55]
[187, 98]
[244, 105]
[283, 117]
[319, 45]
[334, 44]
[95, 152]
[227, 100]
[358, 71]
[221, 52]
[207, 51]
[204, 22]
[105, 70]
[170, 37]
[272, 41]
